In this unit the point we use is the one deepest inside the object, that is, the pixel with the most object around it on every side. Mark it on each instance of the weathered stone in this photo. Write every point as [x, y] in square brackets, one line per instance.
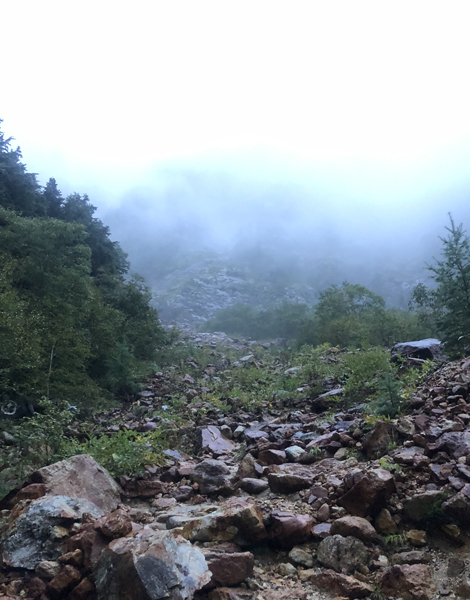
[272, 457]
[115, 525]
[36, 588]
[356, 526]
[430, 348]
[253, 486]
[214, 440]
[80, 477]
[458, 507]
[64, 581]
[30, 538]
[457, 443]
[338, 553]
[412, 557]
[410, 582]
[421, 507]
[237, 520]
[246, 468]
[321, 531]
[323, 513]
[228, 568]
[384, 523]
[74, 558]
[340, 584]
[287, 529]
[83, 591]
[29, 492]
[225, 593]
[287, 570]
[416, 537]
[47, 569]
[376, 442]
[301, 556]
[150, 566]
[290, 593]
[213, 477]
[370, 494]
[290, 478]
[147, 486]
[90, 542]
[294, 453]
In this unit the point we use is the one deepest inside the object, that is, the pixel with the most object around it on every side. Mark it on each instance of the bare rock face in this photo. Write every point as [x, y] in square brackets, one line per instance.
[338, 553]
[150, 566]
[80, 477]
[35, 536]
[369, 495]
[410, 582]
[356, 526]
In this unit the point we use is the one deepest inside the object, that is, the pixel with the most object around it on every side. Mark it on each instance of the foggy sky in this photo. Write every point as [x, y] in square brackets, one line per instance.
[344, 122]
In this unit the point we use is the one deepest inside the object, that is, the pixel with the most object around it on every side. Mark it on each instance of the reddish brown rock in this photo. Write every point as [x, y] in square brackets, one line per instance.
[228, 568]
[458, 507]
[36, 588]
[29, 492]
[378, 440]
[90, 542]
[246, 468]
[64, 581]
[272, 457]
[115, 525]
[290, 478]
[253, 486]
[215, 441]
[290, 593]
[213, 477]
[74, 558]
[410, 582]
[287, 529]
[83, 591]
[338, 583]
[225, 593]
[356, 526]
[142, 487]
[80, 477]
[370, 494]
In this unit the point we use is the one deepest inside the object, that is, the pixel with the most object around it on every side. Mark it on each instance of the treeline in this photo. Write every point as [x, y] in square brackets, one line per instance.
[346, 316]
[74, 325]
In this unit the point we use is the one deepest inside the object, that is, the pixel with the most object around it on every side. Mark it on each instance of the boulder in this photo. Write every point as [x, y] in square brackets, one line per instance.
[458, 507]
[213, 477]
[236, 521]
[287, 529]
[33, 537]
[115, 525]
[369, 495]
[150, 566]
[80, 477]
[63, 582]
[356, 526]
[214, 440]
[290, 478]
[337, 552]
[429, 348]
[422, 507]
[253, 486]
[378, 440]
[228, 568]
[272, 457]
[410, 582]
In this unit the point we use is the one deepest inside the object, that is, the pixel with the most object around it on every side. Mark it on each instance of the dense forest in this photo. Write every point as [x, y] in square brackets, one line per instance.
[74, 324]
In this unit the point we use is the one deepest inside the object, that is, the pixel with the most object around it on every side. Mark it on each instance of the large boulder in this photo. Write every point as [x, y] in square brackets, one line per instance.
[429, 348]
[38, 533]
[80, 477]
[369, 495]
[342, 553]
[150, 566]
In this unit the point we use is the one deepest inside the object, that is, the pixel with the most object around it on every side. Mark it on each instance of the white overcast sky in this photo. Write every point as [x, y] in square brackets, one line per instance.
[359, 95]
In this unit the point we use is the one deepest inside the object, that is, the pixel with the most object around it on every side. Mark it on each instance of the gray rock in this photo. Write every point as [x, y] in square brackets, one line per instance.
[251, 485]
[300, 556]
[422, 506]
[214, 440]
[150, 566]
[80, 477]
[32, 537]
[338, 553]
[430, 348]
[213, 477]
[293, 453]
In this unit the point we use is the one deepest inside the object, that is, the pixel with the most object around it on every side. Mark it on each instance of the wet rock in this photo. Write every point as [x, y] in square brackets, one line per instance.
[345, 586]
[337, 552]
[287, 529]
[410, 582]
[253, 486]
[356, 526]
[150, 566]
[369, 495]
[31, 538]
[384, 523]
[290, 478]
[115, 525]
[213, 477]
[228, 568]
[237, 520]
[458, 507]
[421, 507]
[215, 441]
[80, 477]
[63, 582]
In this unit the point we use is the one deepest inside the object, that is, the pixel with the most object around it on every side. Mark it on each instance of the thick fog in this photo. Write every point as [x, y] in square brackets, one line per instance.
[288, 145]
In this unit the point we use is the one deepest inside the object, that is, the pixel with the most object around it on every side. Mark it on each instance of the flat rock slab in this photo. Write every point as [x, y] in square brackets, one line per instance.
[215, 441]
[80, 477]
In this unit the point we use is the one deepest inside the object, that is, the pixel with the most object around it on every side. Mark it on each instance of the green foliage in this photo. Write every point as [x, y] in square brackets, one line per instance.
[126, 452]
[72, 326]
[448, 305]
[390, 400]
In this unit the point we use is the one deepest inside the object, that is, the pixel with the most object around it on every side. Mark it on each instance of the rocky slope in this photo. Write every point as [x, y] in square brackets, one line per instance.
[284, 500]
